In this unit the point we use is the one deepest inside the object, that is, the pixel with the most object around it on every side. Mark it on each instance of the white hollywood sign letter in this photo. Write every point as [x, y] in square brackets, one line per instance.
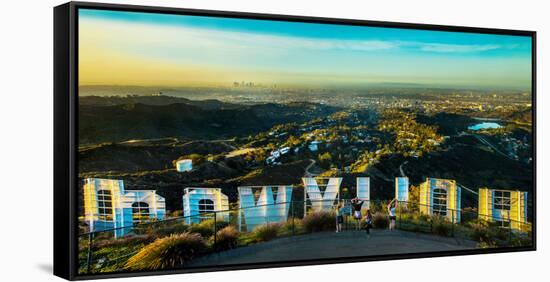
[363, 191]
[267, 208]
[402, 189]
[322, 200]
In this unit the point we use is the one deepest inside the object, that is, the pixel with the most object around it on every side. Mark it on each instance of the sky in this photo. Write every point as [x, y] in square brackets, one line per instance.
[147, 49]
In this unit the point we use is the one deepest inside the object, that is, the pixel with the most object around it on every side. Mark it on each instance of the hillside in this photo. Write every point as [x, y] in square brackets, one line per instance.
[143, 157]
[141, 121]
[209, 104]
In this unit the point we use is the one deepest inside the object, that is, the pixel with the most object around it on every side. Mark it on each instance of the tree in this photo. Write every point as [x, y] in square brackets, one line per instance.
[325, 160]
[292, 141]
[414, 197]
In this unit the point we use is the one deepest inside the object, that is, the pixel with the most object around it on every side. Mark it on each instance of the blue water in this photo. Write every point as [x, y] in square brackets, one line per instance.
[485, 125]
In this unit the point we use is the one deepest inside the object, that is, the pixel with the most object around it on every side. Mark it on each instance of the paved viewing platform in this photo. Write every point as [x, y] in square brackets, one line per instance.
[333, 245]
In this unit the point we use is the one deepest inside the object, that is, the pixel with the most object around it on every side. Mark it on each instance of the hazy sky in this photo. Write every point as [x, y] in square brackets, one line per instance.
[128, 48]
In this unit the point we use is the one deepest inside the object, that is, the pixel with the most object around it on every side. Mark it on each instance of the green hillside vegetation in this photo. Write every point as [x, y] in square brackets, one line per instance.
[209, 104]
[156, 250]
[120, 122]
[143, 156]
[286, 174]
[239, 146]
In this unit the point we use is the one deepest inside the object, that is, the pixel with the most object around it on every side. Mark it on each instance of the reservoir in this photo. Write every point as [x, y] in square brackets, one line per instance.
[484, 125]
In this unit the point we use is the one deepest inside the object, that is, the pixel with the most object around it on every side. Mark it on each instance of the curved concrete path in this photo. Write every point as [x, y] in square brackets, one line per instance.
[334, 245]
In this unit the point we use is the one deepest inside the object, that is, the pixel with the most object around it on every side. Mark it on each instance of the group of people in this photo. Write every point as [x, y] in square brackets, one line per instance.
[361, 220]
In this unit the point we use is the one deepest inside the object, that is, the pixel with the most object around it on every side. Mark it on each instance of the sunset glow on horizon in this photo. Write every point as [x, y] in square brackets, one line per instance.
[143, 49]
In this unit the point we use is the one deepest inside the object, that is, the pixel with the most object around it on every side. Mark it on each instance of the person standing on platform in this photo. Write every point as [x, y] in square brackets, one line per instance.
[339, 217]
[356, 204]
[368, 222]
[391, 212]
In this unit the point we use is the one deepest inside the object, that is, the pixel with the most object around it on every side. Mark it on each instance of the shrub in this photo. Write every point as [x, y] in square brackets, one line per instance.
[206, 227]
[291, 226]
[124, 241]
[83, 228]
[319, 221]
[424, 217]
[441, 227]
[168, 252]
[501, 233]
[380, 220]
[203, 230]
[380, 207]
[480, 232]
[176, 213]
[485, 245]
[166, 229]
[266, 232]
[210, 224]
[468, 214]
[521, 241]
[104, 235]
[490, 233]
[226, 238]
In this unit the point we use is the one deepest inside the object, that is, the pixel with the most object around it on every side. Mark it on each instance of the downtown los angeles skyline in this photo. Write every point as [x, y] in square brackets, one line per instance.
[146, 49]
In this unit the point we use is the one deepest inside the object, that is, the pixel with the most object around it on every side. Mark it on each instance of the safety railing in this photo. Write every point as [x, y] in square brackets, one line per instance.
[108, 250]
[487, 231]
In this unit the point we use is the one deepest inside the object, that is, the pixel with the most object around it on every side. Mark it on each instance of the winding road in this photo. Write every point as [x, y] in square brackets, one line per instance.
[307, 172]
[401, 171]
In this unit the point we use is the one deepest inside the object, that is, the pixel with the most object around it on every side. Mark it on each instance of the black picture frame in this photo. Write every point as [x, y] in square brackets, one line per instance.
[66, 138]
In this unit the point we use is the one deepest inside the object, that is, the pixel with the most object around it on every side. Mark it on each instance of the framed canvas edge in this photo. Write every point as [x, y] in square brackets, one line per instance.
[65, 194]
[65, 141]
